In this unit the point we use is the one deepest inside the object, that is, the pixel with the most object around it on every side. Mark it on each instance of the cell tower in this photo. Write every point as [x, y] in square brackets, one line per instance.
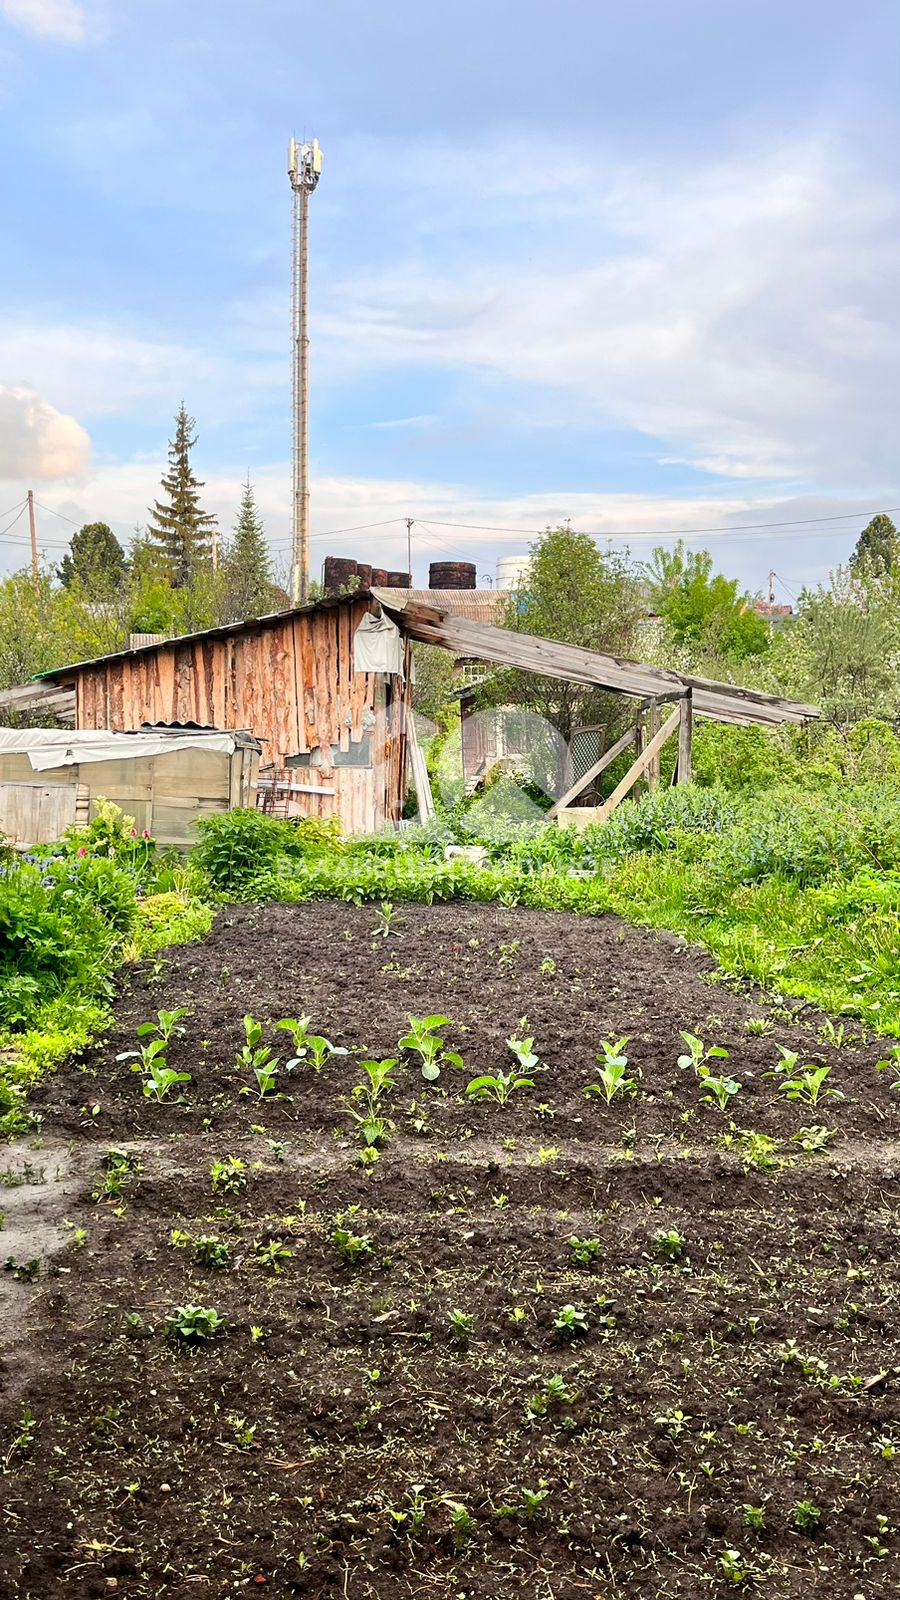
[304, 169]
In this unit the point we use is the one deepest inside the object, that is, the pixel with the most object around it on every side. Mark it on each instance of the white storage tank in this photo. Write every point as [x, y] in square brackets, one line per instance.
[512, 571]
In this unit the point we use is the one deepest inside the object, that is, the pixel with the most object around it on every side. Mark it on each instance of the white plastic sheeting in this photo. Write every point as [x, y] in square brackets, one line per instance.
[47, 748]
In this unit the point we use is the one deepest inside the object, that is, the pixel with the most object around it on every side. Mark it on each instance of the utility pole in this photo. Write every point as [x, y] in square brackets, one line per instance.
[772, 588]
[409, 524]
[33, 527]
[304, 169]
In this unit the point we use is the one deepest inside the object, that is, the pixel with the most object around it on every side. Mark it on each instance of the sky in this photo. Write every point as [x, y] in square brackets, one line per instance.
[619, 261]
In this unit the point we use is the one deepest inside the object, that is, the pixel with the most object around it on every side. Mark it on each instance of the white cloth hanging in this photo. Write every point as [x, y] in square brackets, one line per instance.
[378, 645]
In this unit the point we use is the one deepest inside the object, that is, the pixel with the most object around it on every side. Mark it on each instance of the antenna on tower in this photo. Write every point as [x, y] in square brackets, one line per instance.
[304, 170]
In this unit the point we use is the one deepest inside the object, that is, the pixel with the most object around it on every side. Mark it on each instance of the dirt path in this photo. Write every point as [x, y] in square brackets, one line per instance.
[726, 1337]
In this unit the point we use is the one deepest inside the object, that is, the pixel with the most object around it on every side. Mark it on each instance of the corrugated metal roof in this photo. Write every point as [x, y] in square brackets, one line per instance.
[478, 605]
[221, 632]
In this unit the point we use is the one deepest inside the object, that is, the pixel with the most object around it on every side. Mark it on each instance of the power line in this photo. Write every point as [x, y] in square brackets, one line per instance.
[13, 508]
[20, 513]
[671, 533]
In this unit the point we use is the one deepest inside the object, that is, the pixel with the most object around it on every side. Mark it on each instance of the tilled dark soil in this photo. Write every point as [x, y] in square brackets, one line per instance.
[337, 1438]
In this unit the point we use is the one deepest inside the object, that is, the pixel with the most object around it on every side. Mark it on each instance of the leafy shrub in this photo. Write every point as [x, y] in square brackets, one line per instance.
[237, 847]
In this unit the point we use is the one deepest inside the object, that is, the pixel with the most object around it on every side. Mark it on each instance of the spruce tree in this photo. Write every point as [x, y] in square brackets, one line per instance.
[248, 579]
[179, 533]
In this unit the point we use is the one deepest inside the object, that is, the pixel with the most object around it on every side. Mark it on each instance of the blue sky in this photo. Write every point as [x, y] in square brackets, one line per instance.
[617, 260]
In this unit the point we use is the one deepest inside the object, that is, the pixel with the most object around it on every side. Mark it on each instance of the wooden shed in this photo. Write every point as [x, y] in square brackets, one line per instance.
[333, 739]
[51, 779]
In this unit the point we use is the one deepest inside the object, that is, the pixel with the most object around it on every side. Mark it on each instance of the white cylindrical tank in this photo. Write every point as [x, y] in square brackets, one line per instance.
[511, 570]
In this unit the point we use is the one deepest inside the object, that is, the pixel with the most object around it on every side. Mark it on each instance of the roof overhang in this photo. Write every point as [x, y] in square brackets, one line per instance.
[725, 702]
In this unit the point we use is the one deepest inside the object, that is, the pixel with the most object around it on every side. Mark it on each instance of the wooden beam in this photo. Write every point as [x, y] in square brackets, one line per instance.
[685, 738]
[653, 730]
[639, 766]
[628, 737]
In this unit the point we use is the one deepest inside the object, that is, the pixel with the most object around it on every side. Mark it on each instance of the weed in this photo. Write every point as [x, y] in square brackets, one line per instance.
[461, 1325]
[805, 1517]
[228, 1176]
[673, 1423]
[386, 921]
[271, 1254]
[23, 1271]
[668, 1244]
[212, 1252]
[586, 1252]
[548, 967]
[462, 1523]
[755, 1518]
[571, 1322]
[814, 1138]
[133, 1324]
[733, 1567]
[193, 1325]
[758, 1150]
[758, 1027]
[120, 1165]
[23, 1443]
[244, 1433]
[351, 1247]
[426, 1039]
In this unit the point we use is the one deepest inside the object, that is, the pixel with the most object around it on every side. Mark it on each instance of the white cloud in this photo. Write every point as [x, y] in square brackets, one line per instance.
[375, 509]
[37, 442]
[741, 312]
[50, 19]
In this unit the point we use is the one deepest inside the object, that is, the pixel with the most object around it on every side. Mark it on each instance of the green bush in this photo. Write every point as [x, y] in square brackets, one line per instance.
[238, 847]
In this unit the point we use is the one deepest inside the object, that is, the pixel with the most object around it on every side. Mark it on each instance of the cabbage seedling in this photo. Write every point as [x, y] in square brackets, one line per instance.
[165, 1026]
[586, 1252]
[210, 1251]
[461, 1325]
[719, 1091]
[699, 1055]
[297, 1028]
[320, 1050]
[427, 1041]
[523, 1050]
[497, 1087]
[892, 1064]
[614, 1074]
[228, 1176]
[808, 1086]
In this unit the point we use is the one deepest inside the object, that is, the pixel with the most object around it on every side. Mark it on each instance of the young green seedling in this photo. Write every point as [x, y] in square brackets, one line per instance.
[892, 1065]
[193, 1325]
[256, 1057]
[321, 1050]
[165, 1026]
[228, 1176]
[719, 1091]
[210, 1251]
[808, 1086]
[614, 1077]
[523, 1050]
[461, 1325]
[425, 1038]
[352, 1247]
[699, 1055]
[586, 1252]
[297, 1027]
[570, 1322]
[498, 1087]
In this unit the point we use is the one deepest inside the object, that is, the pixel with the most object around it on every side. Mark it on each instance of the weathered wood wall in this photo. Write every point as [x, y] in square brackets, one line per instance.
[290, 681]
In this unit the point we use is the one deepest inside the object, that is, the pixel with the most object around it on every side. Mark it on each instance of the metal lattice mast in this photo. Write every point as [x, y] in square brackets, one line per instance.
[304, 168]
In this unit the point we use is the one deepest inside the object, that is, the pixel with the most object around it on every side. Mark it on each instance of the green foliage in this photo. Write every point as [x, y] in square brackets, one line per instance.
[195, 1325]
[238, 847]
[701, 608]
[581, 595]
[95, 557]
[878, 546]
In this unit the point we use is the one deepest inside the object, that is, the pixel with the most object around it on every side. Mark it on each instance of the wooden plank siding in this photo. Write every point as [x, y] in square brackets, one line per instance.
[287, 679]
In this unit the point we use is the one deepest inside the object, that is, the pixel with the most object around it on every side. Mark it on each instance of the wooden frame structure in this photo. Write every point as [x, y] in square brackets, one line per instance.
[654, 686]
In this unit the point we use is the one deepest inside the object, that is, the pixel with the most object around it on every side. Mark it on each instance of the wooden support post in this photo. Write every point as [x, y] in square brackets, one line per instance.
[639, 767]
[653, 730]
[685, 737]
[594, 771]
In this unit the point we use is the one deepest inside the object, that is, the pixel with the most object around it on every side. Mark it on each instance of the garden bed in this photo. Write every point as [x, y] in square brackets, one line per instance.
[728, 1339]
